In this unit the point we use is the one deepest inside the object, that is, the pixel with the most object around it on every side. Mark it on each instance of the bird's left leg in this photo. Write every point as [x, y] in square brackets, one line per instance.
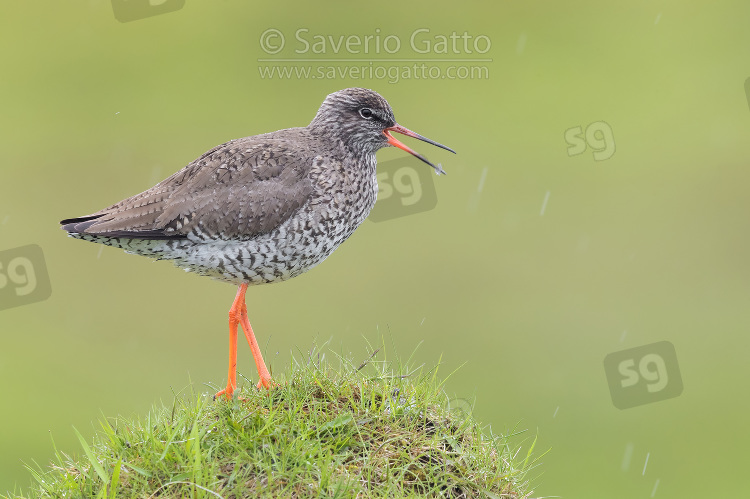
[263, 374]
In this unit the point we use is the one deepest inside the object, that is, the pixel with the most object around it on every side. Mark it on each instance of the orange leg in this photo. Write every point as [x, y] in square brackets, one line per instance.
[263, 374]
[234, 320]
[238, 315]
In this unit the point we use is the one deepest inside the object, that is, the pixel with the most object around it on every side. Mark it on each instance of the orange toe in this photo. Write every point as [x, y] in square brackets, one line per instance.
[266, 383]
[226, 392]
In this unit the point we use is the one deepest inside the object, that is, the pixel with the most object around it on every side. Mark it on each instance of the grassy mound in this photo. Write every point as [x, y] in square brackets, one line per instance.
[323, 432]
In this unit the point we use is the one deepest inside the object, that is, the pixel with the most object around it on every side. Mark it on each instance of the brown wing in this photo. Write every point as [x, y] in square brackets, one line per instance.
[237, 190]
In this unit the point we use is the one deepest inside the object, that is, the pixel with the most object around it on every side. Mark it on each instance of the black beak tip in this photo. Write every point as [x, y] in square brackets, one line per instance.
[440, 146]
[438, 168]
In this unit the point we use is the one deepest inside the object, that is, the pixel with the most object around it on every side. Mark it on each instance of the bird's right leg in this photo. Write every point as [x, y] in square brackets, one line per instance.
[235, 314]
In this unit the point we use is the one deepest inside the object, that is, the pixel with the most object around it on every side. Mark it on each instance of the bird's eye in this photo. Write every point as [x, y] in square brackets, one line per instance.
[366, 113]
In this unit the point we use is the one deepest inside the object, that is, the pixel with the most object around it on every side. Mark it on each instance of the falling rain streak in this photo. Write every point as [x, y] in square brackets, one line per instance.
[627, 457]
[482, 178]
[521, 44]
[653, 491]
[474, 199]
[544, 204]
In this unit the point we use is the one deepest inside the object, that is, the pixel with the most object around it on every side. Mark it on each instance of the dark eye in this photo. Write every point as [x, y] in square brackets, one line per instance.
[366, 113]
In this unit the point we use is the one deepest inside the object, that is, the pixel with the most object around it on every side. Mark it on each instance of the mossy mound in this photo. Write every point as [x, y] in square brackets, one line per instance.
[322, 432]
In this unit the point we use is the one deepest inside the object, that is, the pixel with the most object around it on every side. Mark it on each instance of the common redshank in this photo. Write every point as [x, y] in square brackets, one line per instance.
[260, 209]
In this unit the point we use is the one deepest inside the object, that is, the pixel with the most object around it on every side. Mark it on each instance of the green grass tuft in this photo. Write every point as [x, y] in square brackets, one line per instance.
[324, 432]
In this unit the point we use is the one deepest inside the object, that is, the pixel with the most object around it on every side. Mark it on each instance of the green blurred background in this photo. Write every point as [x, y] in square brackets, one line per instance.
[646, 246]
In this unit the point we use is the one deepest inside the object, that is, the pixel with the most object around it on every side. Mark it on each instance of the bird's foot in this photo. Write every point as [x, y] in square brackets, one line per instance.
[227, 393]
[266, 382]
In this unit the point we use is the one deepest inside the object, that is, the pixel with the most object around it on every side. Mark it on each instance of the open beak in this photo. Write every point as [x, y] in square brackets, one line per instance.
[396, 143]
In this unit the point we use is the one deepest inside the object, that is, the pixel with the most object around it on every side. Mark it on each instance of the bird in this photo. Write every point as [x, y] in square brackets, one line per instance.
[261, 209]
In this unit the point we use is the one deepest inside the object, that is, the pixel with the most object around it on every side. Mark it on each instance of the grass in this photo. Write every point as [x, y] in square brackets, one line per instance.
[369, 430]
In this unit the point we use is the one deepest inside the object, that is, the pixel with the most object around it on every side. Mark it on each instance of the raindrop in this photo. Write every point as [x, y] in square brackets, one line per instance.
[482, 178]
[653, 491]
[627, 457]
[521, 44]
[544, 204]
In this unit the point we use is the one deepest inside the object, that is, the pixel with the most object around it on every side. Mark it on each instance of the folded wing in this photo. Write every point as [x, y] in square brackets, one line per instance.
[237, 190]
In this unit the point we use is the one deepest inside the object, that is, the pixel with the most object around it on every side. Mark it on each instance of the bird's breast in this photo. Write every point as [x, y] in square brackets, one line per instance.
[344, 190]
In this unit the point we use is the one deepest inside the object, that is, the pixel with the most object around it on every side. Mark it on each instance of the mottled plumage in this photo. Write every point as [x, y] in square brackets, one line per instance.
[264, 208]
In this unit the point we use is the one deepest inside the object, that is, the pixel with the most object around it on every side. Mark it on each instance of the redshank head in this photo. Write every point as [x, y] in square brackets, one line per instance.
[364, 120]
